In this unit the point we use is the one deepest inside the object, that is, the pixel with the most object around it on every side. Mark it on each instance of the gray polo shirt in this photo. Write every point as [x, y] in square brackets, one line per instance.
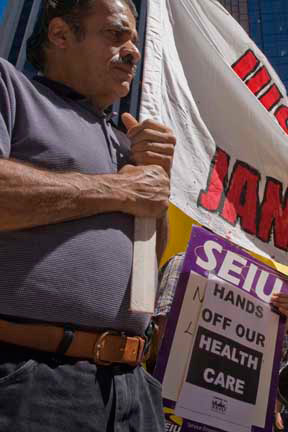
[74, 272]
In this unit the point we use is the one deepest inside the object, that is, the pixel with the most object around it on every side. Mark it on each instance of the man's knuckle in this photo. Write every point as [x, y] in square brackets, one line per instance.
[171, 138]
[149, 154]
[150, 146]
[146, 123]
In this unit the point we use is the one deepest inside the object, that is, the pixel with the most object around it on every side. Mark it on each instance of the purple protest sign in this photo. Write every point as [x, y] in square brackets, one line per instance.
[209, 255]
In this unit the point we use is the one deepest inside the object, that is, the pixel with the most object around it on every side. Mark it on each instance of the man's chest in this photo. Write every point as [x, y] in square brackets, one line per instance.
[62, 139]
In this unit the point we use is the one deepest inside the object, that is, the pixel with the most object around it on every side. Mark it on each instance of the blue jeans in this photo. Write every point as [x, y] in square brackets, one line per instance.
[42, 392]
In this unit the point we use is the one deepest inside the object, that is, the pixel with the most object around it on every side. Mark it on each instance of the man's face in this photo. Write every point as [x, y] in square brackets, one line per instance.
[104, 62]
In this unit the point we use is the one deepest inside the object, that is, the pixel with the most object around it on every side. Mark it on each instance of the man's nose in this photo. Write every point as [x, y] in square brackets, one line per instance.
[130, 49]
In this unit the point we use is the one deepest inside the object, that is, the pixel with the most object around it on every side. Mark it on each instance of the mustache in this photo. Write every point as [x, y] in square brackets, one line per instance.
[127, 60]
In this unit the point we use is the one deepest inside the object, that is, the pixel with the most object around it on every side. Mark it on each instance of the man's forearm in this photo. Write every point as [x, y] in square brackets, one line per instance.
[32, 197]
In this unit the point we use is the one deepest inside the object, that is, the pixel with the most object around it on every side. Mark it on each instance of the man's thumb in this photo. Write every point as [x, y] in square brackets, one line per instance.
[129, 121]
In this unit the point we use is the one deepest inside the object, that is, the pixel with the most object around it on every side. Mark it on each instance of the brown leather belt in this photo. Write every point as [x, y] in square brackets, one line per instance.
[102, 348]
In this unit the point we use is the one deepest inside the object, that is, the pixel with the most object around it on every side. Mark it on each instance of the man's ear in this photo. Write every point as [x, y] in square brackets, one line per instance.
[59, 33]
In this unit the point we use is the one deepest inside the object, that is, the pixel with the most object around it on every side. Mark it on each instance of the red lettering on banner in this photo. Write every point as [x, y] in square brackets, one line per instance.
[239, 199]
[281, 115]
[271, 98]
[259, 81]
[274, 215]
[247, 64]
[242, 197]
[210, 199]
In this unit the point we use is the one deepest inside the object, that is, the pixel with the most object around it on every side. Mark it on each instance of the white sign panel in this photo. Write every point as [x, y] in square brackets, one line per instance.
[228, 380]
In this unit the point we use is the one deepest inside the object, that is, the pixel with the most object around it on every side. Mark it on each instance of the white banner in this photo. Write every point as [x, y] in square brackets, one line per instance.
[205, 78]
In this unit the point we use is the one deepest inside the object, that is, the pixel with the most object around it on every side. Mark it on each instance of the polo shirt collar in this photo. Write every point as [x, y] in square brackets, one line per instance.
[59, 88]
[65, 91]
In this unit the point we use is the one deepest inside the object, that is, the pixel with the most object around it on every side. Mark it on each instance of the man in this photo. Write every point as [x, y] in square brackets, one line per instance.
[70, 187]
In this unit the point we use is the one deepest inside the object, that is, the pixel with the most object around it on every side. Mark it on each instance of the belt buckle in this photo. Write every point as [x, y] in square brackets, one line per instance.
[98, 347]
[140, 352]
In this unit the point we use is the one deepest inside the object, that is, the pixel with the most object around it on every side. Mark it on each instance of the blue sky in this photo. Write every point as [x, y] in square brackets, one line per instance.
[2, 6]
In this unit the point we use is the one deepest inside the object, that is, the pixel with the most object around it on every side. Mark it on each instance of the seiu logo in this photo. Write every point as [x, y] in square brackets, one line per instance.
[172, 428]
[219, 405]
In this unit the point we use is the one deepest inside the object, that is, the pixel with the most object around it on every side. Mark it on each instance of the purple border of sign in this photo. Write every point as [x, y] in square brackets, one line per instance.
[187, 424]
[200, 235]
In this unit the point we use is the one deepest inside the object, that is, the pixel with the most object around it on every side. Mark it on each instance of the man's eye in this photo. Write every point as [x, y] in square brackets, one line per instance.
[116, 34]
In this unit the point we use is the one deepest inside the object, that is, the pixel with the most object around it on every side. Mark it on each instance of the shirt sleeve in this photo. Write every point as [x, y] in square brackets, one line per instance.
[168, 281]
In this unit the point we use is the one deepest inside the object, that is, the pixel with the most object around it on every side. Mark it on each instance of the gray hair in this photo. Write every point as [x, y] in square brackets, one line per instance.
[72, 12]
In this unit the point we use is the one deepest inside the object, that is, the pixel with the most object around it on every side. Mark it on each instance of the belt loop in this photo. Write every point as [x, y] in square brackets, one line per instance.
[148, 336]
[68, 337]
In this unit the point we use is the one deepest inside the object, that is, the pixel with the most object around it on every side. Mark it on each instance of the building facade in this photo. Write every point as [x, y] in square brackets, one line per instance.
[239, 10]
[17, 22]
[267, 23]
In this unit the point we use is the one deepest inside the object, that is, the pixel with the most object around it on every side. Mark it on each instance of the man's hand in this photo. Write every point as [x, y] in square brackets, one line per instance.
[147, 191]
[280, 301]
[152, 142]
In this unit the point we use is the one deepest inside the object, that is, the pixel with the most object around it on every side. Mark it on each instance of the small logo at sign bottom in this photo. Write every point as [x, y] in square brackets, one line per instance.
[219, 405]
